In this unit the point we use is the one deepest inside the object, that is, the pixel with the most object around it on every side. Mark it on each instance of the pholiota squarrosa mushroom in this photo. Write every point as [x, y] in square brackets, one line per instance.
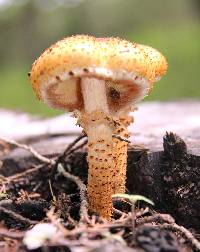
[100, 80]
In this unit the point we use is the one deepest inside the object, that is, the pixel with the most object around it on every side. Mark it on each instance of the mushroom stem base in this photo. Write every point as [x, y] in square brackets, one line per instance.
[101, 177]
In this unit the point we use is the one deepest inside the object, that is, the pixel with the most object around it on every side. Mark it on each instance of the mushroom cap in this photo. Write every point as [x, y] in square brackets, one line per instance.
[129, 70]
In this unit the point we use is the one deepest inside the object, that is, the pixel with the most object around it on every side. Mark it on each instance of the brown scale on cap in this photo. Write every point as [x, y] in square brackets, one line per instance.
[118, 61]
[101, 80]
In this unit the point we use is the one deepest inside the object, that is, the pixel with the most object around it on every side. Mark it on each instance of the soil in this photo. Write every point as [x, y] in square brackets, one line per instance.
[34, 191]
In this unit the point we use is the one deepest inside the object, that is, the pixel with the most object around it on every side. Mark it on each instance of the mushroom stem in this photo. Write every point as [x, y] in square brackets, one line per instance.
[101, 157]
[95, 99]
[121, 148]
[94, 94]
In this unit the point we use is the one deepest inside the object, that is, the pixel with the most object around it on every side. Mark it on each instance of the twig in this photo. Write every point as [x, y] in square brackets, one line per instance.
[23, 174]
[56, 221]
[81, 244]
[121, 138]
[30, 149]
[126, 222]
[185, 232]
[17, 216]
[142, 212]
[98, 228]
[40, 157]
[51, 190]
[133, 217]
[117, 211]
[82, 188]
[11, 234]
[77, 147]
[139, 148]
[156, 218]
[6, 202]
[68, 150]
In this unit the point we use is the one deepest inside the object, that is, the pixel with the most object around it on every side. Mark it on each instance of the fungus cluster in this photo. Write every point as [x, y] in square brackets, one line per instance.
[100, 80]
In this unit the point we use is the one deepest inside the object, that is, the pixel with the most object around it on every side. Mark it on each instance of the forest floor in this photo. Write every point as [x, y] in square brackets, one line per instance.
[43, 202]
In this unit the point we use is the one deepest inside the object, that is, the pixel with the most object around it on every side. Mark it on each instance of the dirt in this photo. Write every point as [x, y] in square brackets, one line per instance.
[33, 191]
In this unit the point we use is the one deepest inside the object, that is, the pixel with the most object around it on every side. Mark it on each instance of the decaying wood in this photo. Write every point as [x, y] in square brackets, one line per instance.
[164, 167]
[152, 120]
[171, 177]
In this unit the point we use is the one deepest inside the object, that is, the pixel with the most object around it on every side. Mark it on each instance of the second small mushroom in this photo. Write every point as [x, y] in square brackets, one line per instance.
[100, 80]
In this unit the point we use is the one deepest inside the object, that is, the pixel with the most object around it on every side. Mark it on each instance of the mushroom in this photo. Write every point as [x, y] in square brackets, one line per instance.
[100, 80]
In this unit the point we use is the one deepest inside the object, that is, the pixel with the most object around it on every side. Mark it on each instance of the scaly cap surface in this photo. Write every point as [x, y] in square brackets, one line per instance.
[128, 68]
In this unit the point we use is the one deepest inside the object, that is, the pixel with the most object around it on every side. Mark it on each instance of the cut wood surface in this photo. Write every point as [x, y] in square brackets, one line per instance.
[152, 120]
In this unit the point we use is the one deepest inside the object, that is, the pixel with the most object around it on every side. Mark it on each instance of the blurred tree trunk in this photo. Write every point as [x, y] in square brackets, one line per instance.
[197, 6]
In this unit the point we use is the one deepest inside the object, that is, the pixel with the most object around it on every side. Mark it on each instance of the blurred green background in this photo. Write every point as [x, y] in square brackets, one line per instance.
[28, 27]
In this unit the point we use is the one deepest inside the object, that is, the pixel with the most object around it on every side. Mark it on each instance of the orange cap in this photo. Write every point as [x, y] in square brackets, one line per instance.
[129, 69]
